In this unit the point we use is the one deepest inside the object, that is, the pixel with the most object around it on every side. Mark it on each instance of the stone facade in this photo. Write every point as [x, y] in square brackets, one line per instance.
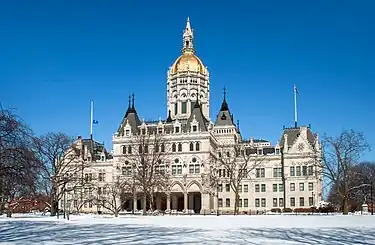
[194, 140]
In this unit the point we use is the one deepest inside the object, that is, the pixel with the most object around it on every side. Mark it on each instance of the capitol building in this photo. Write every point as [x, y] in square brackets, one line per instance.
[195, 149]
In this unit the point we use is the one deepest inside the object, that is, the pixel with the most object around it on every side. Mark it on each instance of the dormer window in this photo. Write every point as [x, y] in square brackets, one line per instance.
[277, 151]
[160, 130]
[195, 128]
[143, 131]
[127, 132]
[102, 158]
[177, 130]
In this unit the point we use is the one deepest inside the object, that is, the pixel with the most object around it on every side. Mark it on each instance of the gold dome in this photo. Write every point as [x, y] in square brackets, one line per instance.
[188, 62]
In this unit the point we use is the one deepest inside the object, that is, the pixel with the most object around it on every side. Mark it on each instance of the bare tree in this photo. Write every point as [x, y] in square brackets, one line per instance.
[147, 157]
[112, 195]
[340, 155]
[18, 165]
[237, 162]
[361, 178]
[59, 165]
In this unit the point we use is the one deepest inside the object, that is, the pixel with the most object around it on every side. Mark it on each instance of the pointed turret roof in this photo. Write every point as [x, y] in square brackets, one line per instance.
[224, 118]
[197, 114]
[169, 118]
[131, 117]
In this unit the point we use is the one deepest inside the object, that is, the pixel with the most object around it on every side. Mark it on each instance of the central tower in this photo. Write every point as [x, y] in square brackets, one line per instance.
[187, 79]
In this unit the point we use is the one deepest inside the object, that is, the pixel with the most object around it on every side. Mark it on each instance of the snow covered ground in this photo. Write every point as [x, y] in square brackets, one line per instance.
[264, 229]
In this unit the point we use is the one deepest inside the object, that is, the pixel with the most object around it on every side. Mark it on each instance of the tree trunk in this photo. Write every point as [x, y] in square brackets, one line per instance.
[116, 213]
[144, 203]
[345, 203]
[53, 206]
[345, 208]
[9, 212]
[236, 203]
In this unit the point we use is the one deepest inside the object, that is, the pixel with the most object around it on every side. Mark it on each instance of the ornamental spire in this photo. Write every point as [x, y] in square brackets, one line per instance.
[188, 37]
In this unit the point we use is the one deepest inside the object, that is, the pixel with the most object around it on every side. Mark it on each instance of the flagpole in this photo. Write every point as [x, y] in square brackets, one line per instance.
[91, 118]
[295, 106]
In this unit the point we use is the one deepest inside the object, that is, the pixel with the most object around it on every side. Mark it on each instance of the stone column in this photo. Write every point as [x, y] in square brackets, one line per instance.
[135, 203]
[215, 207]
[185, 202]
[205, 202]
[168, 201]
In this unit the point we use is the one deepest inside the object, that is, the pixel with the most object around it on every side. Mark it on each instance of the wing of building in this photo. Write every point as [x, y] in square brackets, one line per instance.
[193, 144]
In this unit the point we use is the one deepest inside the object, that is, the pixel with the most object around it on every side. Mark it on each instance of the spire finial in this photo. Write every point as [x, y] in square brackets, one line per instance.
[225, 93]
[133, 101]
[129, 102]
[238, 124]
[188, 38]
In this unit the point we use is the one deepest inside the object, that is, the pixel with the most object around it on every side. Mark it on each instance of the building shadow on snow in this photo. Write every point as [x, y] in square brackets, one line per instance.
[46, 232]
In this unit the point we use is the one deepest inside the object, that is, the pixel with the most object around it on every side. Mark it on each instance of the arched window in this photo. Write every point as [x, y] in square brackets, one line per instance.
[129, 150]
[174, 147]
[123, 149]
[140, 149]
[162, 147]
[156, 148]
[197, 146]
[191, 146]
[179, 147]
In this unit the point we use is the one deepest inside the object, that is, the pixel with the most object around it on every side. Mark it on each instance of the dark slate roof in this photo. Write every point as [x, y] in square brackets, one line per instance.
[224, 118]
[260, 141]
[169, 118]
[254, 150]
[255, 141]
[293, 133]
[268, 150]
[132, 118]
[198, 114]
[96, 148]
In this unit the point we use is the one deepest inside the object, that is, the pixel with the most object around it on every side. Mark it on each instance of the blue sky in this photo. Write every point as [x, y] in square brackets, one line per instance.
[56, 56]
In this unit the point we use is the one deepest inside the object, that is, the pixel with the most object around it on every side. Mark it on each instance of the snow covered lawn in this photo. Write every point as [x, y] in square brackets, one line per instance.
[265, 229]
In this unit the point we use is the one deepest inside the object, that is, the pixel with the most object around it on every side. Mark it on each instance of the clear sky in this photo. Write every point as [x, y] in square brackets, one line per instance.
[56, 56]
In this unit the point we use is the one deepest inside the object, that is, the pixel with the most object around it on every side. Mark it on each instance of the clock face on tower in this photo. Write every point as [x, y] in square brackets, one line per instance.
[301, 146]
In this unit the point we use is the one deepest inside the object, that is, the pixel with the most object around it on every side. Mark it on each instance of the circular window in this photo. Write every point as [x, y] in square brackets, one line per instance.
[194, 159]
[176, 160]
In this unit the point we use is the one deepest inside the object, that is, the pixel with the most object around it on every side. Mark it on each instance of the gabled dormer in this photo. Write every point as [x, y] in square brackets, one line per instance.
[298, 140]
[177, 127]
[160, 127]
